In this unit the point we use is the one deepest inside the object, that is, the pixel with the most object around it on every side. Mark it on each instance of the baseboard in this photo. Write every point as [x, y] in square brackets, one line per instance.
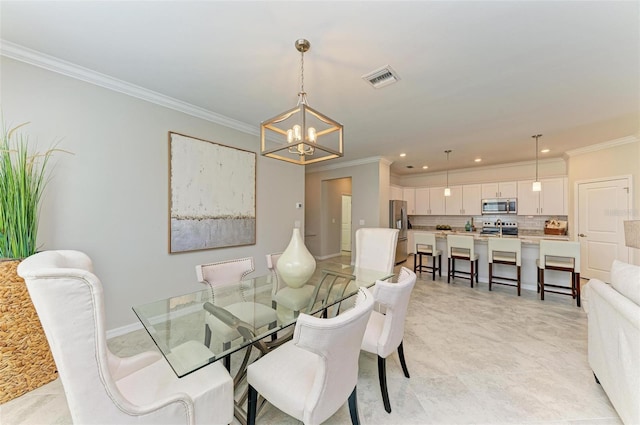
[112, 333]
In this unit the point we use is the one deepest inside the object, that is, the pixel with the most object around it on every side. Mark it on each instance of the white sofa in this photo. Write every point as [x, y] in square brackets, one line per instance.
[614, 338]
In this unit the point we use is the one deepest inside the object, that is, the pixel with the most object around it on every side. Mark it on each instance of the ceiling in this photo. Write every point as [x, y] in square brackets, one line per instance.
[479, 77]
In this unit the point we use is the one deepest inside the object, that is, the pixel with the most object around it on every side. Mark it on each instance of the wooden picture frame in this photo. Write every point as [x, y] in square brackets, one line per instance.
[212, 195]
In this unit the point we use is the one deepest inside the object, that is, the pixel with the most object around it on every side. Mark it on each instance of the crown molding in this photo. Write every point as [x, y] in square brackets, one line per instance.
[35, 58]
[601, 146]
[355, 162]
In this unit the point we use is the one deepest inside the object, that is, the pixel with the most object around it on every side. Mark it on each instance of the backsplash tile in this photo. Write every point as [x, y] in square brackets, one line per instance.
[529, 224]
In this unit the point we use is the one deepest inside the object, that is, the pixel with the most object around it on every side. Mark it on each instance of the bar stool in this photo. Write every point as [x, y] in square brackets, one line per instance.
[562, 256]
[426, 245]
[460, 247]
[507, 252]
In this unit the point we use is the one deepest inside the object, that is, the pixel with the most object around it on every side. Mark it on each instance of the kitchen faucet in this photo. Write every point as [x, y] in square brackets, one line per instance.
[499, 224]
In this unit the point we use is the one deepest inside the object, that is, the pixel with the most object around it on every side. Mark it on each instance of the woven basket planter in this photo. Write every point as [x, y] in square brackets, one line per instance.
[26, 362]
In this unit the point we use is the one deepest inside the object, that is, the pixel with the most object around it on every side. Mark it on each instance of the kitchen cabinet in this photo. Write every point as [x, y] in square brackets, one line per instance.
[395, 192]
[429, 201]
[500, 190]
[423, 201]
[551, 200]
[409, 195]
[464, 200]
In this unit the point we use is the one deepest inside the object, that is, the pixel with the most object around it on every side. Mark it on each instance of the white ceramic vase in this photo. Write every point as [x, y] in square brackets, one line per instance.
[296, 264]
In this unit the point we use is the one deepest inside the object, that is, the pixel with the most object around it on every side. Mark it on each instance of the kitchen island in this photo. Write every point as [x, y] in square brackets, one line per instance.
[530, 253]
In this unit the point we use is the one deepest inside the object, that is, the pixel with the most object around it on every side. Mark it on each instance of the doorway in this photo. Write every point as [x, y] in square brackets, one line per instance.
[345, 233]
[603, 205]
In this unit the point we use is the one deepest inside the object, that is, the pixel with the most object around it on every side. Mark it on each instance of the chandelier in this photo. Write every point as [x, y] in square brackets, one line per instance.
[301, 135]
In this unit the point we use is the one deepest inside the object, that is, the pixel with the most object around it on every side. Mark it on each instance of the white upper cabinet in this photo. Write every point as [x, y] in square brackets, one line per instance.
[436, 201]
[464, 200]
[551, 200]
[423, 201]
[500, 190]
[409, 195]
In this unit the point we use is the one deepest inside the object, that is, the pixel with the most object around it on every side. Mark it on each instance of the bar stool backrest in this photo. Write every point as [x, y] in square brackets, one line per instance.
[463, 242]
[505, 245]
[425, 240]
[566, 249]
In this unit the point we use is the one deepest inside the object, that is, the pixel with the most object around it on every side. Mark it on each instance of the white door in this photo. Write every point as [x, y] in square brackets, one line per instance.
[602, 208]
[345, 235]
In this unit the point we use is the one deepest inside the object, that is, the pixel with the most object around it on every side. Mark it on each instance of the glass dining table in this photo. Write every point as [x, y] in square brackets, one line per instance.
[173, 321]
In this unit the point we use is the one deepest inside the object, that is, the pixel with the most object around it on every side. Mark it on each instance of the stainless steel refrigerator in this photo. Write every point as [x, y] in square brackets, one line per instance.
[398, 220]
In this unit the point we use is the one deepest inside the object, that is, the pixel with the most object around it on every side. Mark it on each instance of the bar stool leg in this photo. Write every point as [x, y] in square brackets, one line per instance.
[518, 277]
[542, 284]
[471, 276]
[490, 275]
[440, 265]
[578, 289]
[433, 268]
[449, 270]
[477, 272]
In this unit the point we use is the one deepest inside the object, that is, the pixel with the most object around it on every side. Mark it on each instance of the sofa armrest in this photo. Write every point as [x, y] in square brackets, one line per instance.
[614, 347]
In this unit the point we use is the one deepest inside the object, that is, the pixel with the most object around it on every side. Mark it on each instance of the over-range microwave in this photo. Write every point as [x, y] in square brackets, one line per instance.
[500, 206]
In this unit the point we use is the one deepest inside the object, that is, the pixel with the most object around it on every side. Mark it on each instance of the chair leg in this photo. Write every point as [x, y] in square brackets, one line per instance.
[477, 272]
[440, 265]
[448, 270]
[518, 278]
[433, 268]
[382, 376]
[252, 405]
[403, 363]
[578, 288]
[471, 263]
[353, 408]
[490, 275]
[415, 262]
[542, 284]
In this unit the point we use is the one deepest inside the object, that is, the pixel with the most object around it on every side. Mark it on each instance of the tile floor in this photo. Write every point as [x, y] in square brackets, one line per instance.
[475, 357]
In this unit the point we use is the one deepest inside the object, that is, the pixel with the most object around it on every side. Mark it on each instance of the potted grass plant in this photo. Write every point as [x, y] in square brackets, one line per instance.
[26, 362]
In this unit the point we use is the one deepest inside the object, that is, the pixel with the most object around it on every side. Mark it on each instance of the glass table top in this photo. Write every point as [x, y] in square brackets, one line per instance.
[234, 313]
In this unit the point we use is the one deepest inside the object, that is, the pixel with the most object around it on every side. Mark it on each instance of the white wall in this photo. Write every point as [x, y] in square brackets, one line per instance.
[110, 198]
[366, 200]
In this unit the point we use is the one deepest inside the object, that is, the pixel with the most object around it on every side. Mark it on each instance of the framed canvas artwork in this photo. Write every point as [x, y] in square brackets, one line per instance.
[212, 199]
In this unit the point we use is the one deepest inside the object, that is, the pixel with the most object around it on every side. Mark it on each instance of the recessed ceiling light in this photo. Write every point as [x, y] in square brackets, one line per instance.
[424, 167]
[478, 160]
[403, 154]
[545, 150]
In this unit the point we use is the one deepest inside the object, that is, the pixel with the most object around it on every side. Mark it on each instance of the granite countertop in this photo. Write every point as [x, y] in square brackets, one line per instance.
[526, 236]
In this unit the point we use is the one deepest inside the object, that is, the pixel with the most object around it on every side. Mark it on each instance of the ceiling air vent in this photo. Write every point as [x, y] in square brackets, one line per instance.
[381, 77]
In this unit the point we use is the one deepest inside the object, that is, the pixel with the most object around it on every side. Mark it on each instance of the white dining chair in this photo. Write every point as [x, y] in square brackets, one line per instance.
[376, 248]
[313, 375]
[100, 387]
[385, 332]
[256, 314]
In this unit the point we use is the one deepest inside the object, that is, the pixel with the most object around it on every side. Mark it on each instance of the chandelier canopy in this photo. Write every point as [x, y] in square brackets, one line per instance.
[301, 135]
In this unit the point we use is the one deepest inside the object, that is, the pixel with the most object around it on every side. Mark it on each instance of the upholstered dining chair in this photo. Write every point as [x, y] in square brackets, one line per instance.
[385, 332]
[100, 387]
[376, 248]
[257, 314]
[311, 376]
[294, 299]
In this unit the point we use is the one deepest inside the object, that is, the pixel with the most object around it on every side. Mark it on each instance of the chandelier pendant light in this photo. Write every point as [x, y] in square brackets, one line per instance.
[301, 135]
[537, 186]
[447, 190]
